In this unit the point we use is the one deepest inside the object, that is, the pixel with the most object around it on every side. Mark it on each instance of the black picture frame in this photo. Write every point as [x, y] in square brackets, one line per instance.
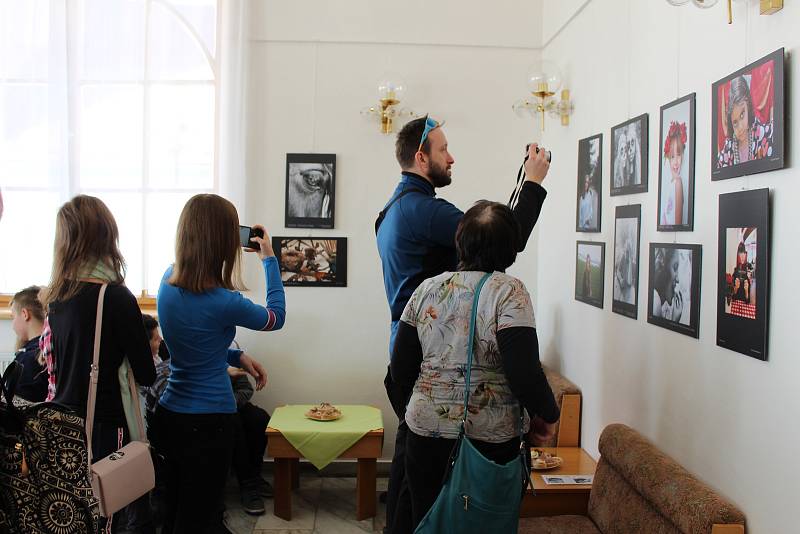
[589, 207]
[682, 108]
[311, 261]
[310, 190]
[629, 163]
[590, 288]
[744, 229]
[625, 296]
[668, 267]
[769, 71]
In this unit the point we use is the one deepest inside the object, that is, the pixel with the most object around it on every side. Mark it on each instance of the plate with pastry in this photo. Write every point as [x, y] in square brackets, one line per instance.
[541, 460]
[324, 411]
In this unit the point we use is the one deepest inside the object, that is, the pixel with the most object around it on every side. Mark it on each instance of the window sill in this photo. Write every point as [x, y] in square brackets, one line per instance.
[147, 304]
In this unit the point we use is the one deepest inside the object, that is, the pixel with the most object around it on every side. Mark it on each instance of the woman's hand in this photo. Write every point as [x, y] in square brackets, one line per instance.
[537, 165]
[254, 369]
[265, 243]
[235, 372]
[541, 431]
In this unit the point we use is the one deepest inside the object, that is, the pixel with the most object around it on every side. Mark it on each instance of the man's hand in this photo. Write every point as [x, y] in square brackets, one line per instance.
[537, 165]
[254, 369]
[541, 431]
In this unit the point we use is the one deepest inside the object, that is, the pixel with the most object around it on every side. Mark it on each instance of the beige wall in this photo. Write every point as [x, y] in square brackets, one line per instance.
[305, 96]
[728, 418]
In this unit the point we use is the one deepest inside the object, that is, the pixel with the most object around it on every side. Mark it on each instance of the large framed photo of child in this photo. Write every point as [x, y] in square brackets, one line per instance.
[590, 262]
[743, 272]
[310, 190]
[676, 168]
[747, 120]
[629, 156]
[627, 229]
[590, 184]
[674, 287]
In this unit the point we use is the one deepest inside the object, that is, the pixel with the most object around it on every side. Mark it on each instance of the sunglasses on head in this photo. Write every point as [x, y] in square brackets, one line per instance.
[430, 124]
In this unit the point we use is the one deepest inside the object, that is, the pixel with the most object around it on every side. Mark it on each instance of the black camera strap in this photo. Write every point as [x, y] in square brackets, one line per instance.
[382, 214]
[512, 202]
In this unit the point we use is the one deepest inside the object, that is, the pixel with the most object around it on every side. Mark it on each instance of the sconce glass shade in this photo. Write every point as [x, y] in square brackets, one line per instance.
[677, 2]
[544, 79]
[705, 4]
[391, 89]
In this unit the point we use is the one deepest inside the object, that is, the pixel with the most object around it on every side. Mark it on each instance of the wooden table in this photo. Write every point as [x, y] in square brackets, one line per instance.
[367, 450]
[558, 499]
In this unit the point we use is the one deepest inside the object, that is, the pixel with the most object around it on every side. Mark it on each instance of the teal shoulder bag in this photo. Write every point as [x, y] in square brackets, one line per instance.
[478, 495]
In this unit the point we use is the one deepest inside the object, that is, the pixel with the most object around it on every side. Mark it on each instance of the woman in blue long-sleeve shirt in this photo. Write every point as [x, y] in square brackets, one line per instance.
[199, 308]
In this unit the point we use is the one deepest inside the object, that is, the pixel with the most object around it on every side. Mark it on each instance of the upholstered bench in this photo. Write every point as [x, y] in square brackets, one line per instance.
[568, 398]
[640, 490]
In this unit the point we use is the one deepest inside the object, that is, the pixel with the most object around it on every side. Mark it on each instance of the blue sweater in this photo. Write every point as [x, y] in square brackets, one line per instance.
[416, 239]
[198, 329]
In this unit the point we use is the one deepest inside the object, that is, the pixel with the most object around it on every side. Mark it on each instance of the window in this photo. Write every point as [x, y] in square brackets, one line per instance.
[112, 98]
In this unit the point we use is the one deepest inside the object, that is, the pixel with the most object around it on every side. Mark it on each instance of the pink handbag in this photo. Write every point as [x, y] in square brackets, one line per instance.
[125, 475]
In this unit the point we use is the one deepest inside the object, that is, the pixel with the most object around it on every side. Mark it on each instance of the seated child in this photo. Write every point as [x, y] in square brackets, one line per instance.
[27, 321]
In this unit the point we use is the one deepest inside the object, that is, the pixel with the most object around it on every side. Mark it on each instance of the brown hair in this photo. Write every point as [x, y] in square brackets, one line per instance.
[487, 238]
[86, 233]
[207, 248]
[407, 144]
[28, 299]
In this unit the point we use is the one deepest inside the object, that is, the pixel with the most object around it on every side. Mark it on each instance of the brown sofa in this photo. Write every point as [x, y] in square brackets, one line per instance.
[640, 490]
[568, 397]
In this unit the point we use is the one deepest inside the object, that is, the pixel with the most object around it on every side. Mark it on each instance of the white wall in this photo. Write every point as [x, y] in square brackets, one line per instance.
[728, 418]
[305, 96]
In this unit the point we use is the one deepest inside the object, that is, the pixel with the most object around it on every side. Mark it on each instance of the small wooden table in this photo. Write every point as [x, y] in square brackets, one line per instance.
[367, 450]
[557, 499]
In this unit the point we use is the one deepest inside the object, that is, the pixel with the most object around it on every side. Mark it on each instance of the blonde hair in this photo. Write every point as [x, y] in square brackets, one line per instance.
[207, 247]
[86, 234]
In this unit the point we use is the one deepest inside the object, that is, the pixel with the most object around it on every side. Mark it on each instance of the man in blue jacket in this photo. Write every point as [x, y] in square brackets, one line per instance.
[416, 240]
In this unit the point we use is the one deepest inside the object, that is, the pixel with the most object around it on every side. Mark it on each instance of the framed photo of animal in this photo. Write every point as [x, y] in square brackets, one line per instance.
[307, 261]
[310, 190]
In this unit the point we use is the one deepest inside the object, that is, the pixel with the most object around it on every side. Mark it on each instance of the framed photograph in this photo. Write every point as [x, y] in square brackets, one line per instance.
[310, 190]
[629, 156]
[747, 122]
[590, 184]
[676, 168]
[743, 271]
[590, 262]
[674, 287]
[627, 228]
[306, 261]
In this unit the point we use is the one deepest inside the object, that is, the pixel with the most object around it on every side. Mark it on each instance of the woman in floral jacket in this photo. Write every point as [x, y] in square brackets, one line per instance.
[429, 358]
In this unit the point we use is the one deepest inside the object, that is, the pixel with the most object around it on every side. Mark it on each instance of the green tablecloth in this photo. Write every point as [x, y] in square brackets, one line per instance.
[321, 442]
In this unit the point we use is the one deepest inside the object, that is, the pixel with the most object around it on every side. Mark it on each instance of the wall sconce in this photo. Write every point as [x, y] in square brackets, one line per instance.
[768, 7]
[544, 81]
[390, 94]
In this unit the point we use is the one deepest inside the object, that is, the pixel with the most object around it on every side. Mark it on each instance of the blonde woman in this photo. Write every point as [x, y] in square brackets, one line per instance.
[86, 255]
[199, 308]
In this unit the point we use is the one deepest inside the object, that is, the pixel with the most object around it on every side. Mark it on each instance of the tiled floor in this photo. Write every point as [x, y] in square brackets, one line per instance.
[322, 505]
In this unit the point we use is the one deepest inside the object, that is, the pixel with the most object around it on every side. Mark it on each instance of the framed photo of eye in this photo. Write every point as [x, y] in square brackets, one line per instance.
[747, 120]
[629, 156]
[310, 190]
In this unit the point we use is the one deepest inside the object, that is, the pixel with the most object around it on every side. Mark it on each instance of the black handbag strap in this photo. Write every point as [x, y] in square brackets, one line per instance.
[9, 382]
[384, 211]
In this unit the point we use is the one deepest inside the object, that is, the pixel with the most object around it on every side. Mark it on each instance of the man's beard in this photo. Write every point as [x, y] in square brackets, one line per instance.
[438, 175]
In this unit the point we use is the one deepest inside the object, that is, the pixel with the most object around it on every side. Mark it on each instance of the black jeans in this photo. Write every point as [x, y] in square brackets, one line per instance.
[398, 500]
[197, 450]
[426, 465]
[250, 424]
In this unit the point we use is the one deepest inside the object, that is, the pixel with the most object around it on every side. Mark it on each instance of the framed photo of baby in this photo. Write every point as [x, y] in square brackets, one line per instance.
[590, 268]
[747, 120]
[743, 271]
[674, 287]
[629, 156]
[676, 166]
[590, 184]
